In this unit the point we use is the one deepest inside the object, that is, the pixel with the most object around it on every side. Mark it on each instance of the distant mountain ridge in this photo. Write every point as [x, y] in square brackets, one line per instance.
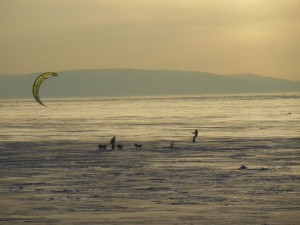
[135, 82]
[252, 76]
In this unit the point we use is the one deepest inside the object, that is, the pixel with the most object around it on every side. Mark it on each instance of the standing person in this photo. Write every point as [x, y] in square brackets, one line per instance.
[171, 145]
[113, 143]
[195, 135]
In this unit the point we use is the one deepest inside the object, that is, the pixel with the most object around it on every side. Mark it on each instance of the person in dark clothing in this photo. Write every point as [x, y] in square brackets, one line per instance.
[113, 143]
[195, 135]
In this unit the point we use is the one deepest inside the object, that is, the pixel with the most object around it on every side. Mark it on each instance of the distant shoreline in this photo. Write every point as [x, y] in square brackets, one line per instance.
[130, 82]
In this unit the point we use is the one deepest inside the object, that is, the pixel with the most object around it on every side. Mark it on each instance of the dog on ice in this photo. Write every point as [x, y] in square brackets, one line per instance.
[138, 146]
[102, 147]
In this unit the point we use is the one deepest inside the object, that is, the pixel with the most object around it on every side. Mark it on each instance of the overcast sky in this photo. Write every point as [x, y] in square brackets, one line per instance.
[219, 36]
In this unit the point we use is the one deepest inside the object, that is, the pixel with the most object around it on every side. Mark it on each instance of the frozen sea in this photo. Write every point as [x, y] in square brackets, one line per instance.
[151, 118]
[53, 173]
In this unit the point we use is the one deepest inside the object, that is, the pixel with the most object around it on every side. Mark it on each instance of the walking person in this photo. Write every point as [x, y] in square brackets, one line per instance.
[113, 143]
[195, 135]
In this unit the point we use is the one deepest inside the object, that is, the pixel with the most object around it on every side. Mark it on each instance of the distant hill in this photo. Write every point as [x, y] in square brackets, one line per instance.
[131, 82]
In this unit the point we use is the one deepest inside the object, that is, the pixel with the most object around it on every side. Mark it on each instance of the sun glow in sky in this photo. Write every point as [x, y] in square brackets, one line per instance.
[220, 36]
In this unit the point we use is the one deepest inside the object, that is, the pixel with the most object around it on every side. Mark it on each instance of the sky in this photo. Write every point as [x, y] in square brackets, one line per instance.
[218, 36]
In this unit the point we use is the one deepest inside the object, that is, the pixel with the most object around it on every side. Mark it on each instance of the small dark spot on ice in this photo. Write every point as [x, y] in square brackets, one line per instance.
[95, 196]
[43, 208]
[243, 167]
[39, 189]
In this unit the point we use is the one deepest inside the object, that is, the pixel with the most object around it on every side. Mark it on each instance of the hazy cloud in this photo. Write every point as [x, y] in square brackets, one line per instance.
[224, 36]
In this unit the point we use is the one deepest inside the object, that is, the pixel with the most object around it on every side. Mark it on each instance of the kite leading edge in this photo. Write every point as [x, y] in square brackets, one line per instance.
[37, 83]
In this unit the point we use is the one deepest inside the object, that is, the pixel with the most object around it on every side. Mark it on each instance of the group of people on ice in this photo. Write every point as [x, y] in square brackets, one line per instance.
[138, 146]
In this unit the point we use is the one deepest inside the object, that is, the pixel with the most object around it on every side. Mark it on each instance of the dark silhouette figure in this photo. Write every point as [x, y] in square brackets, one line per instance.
[102, 147]
[113, 143]
[195, 135]
[138, 146]
[171, 145]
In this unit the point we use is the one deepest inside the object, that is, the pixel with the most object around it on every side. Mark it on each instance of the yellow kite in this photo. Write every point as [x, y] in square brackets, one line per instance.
[37, 83]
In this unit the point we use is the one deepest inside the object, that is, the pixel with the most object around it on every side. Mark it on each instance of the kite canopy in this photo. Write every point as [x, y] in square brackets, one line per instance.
[37, 83]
